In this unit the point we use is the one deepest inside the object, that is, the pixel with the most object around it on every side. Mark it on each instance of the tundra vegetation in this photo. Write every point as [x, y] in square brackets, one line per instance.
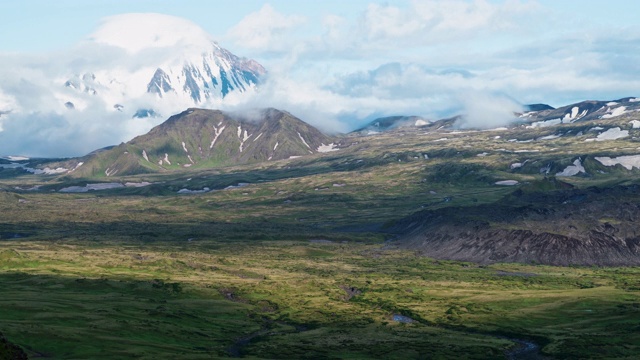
[306, 258]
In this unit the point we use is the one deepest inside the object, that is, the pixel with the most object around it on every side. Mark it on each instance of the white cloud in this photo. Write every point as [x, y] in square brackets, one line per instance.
[135, 32]
[486, 110]
[265, 30]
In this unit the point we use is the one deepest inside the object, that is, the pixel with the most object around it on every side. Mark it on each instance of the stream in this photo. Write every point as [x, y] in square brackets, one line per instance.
[524, 350]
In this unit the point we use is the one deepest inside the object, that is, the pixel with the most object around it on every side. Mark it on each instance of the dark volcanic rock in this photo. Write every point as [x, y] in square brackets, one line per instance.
[538, 107]
[566, 227]
[10, 351]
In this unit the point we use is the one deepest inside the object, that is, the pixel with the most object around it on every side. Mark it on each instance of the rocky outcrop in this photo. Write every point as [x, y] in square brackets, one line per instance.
[567, 227]
[9, 351]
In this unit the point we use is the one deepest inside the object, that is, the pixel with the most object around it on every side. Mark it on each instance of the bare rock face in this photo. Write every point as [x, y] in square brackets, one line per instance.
[564, 227]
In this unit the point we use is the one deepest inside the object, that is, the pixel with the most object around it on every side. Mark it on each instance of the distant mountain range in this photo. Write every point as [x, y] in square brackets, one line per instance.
[199, 138]
[582, 111]
[537, 115]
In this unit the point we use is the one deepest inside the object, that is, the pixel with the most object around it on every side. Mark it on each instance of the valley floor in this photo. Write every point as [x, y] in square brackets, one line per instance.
[305, 299]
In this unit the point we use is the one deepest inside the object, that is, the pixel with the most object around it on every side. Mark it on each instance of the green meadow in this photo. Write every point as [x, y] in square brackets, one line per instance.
[303, 299]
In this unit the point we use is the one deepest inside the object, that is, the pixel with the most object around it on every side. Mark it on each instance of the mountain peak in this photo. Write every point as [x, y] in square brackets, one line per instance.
[203, 138]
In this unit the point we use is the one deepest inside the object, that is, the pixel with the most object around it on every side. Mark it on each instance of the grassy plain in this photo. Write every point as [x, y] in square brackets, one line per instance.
[302, 299]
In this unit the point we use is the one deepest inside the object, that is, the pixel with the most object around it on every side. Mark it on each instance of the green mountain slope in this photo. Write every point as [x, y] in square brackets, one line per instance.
[198, 138]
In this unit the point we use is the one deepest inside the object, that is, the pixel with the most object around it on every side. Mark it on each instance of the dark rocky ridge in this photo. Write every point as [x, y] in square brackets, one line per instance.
[9, 351]
[562, 227]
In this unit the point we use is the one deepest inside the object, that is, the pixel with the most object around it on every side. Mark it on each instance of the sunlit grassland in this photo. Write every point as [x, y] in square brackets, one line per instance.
[73, 300]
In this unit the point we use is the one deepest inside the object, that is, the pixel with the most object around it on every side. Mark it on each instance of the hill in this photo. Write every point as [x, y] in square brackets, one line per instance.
[199, 138]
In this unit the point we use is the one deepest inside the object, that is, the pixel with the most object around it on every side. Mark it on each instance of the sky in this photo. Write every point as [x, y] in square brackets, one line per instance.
[342, 63]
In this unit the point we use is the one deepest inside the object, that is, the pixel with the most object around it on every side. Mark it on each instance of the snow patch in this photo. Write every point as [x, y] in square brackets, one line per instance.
[507, 182]
[303, 141]
[612, 134]
[327, 148]
[421, 122]
[137, 185]
[573, 170]
[275, 147]
[615, 112]
[257, 137]
[218, 131]
[516, 166]
[574, 114]
[244, 139]
[187, 191]
[628, 161]
[546, 123]
[45, 171]
[635, 124]
[144, 155]
[166, 159]
[549, 137]
[482, 154]
[76, 167]
[184, 147]
[48, 171]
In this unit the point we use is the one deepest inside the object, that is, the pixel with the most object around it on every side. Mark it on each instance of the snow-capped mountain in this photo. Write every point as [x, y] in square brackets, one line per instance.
[162, 61]
[544, 115]
[126, 77]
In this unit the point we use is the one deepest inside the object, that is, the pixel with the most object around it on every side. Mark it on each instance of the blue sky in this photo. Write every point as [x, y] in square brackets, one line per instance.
[342, 63]
[39, 25]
